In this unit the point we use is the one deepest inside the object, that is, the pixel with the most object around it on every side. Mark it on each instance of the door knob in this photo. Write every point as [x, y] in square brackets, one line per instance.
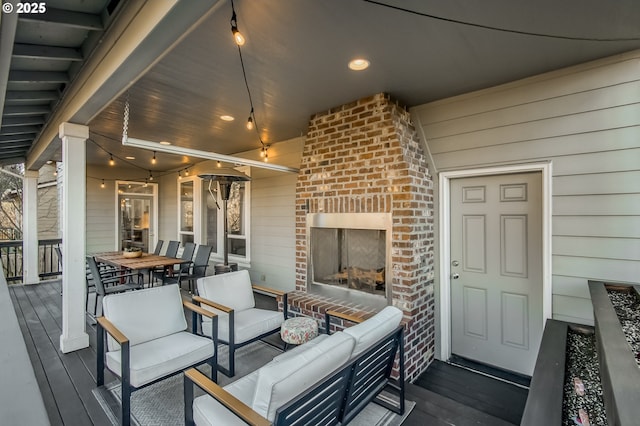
[455, 276]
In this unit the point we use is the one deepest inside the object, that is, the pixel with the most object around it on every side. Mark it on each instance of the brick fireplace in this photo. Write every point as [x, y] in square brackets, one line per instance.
[365, 158]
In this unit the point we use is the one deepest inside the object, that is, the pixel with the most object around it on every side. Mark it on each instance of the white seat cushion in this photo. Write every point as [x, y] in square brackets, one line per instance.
[158, 358]
[249, 324]
[373, 329]
[280, 382]
[232, 289]
[145, 315]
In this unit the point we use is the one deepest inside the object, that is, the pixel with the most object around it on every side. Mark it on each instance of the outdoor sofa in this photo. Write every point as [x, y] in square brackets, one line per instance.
[328, 380]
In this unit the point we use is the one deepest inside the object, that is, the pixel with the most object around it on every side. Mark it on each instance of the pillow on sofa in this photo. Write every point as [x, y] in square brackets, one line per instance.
[373, 329]
[280, 382]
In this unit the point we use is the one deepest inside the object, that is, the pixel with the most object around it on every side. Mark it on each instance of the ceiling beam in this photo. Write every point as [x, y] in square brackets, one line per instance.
[38, 77]
[33, 51]
[19, 130]
[31, 95]
[142, 33]
[17, 110]
[22, 121]
[67, 18]
[14, 138]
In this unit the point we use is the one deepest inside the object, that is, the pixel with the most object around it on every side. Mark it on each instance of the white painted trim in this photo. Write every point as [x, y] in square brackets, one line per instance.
[154, 202]
[444, 189]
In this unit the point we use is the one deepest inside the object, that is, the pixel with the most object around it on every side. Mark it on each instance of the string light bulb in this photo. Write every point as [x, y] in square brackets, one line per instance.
[250, 123]
[237, 35]
[150, 175]
[179, 174]
[186, 172]
[219, 164]
[102, 184]
[153, 160]
[112, 162]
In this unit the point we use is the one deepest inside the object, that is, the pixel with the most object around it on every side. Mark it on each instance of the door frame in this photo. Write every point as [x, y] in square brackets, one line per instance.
[444, 191]
[154, 205]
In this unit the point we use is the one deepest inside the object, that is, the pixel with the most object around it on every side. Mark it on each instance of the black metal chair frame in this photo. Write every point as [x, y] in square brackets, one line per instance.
[230, 372]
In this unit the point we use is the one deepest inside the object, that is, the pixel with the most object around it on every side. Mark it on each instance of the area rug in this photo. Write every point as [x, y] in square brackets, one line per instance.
[163, 402]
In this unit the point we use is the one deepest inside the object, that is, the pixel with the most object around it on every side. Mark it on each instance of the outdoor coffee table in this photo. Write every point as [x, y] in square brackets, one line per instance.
[298, 330]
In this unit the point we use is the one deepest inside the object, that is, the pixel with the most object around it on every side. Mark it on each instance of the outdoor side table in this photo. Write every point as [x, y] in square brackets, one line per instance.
[298, 330]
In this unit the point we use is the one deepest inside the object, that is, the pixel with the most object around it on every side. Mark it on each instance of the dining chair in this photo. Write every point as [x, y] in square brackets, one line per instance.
[158, 247]
[194, 270]
[156, 251]
[186, 256]
[118, 282]
[158, 273]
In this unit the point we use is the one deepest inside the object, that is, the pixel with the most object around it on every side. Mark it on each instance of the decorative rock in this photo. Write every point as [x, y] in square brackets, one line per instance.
[582, 364]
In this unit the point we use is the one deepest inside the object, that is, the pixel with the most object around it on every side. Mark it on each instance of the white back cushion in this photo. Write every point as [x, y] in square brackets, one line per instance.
[370, 331]
[232, 289]
[280, 382]
[144, 315]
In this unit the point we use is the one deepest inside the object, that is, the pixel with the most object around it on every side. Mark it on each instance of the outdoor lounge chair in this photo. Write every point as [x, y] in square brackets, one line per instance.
[147, 340]
[230, 296]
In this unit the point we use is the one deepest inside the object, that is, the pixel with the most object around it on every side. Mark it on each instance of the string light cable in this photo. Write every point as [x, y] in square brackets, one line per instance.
[506, 30]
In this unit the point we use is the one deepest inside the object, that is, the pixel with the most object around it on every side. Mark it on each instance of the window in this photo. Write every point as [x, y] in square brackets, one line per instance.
[201, 218]
[186, 213]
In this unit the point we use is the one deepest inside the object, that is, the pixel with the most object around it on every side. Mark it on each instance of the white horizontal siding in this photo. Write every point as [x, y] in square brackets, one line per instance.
[273, 230]
[101, 215]
[585, 120]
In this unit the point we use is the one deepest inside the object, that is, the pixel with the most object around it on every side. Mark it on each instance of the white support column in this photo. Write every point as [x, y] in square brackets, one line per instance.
[73, 336]
[30, 227]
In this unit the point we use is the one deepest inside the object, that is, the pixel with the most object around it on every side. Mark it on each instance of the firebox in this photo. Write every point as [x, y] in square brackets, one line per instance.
[349, 256]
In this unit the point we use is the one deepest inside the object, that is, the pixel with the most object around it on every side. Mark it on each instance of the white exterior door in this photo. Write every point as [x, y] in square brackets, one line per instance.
[496, 269]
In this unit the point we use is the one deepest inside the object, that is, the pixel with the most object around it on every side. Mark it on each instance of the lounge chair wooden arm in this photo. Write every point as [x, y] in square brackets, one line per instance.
[113, 330]
[344, 316]
[269, 290]
[232, 403]
[212, 304]
[197, 309]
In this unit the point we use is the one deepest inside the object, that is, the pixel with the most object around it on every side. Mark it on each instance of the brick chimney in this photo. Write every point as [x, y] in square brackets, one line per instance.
[365, 157]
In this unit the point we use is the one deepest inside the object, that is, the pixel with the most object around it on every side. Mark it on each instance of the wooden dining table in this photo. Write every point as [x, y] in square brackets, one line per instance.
[146, 261]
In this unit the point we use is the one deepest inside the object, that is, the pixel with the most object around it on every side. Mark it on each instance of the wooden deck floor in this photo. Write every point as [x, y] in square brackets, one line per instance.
[66, 380]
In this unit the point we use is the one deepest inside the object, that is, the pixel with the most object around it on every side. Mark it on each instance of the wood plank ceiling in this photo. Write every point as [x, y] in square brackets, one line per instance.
[48, 51]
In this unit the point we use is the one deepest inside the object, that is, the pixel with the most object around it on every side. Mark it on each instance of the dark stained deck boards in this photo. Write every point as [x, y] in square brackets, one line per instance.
[66, 380]
[488, 395]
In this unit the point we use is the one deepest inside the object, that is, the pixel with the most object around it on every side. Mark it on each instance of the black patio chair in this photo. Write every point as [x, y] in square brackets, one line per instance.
[117, 282]
[194, 270]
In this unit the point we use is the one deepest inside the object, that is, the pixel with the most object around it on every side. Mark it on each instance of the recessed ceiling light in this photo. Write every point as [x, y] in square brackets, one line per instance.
[130, 158]
[359, 64]
[227, 118]
[165, 143]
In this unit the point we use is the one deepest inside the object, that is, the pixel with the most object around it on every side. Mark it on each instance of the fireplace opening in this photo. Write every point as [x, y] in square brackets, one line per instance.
[349, 256]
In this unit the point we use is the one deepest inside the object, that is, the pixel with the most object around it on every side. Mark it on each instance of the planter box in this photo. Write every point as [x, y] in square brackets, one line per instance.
[618, 368]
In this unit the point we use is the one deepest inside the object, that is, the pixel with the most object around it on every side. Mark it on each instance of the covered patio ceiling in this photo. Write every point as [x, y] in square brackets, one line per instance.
[296, 57]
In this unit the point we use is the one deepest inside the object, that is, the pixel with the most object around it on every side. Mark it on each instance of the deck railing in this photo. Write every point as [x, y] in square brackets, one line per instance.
[11, 257]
